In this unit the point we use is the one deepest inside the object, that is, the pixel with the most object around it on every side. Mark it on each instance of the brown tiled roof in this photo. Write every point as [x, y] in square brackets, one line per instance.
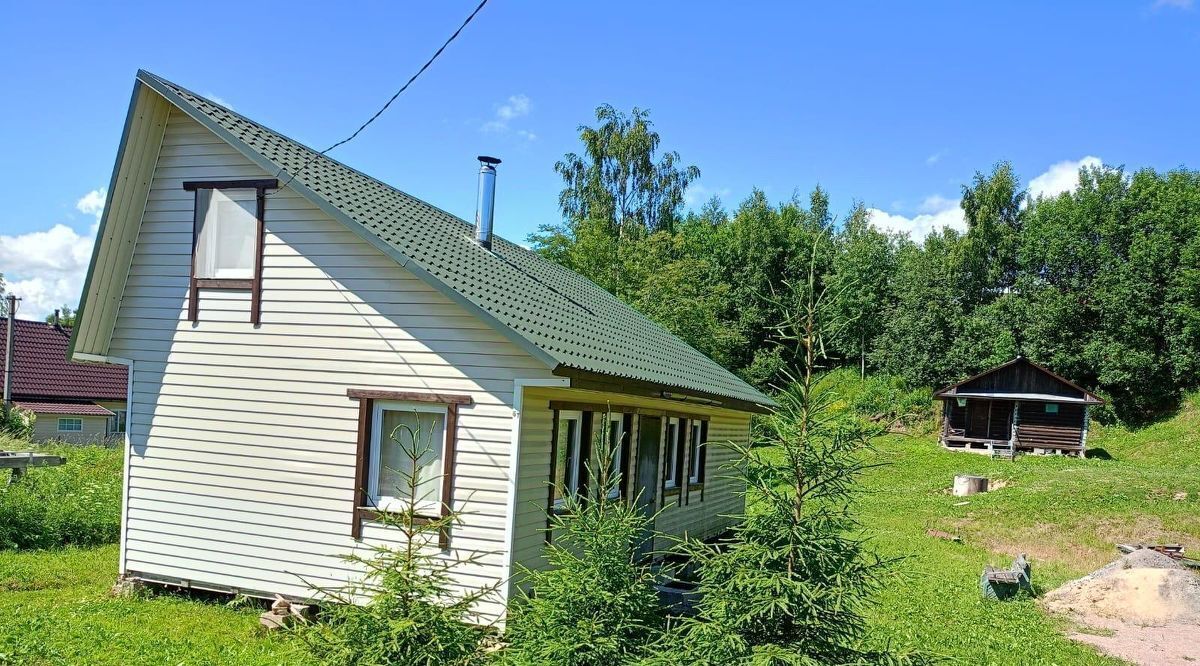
[41, 371]
[70, 408]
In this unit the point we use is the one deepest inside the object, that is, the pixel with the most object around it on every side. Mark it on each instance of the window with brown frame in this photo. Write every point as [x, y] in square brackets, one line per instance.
[393, 428]
[227, 239]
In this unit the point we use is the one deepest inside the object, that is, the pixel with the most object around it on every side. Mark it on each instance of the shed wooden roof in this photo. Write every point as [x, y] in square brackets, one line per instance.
[1020, 379]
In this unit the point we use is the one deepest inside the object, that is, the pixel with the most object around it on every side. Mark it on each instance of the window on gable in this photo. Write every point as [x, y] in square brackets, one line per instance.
[70, 425]
[408, 447]
[1051, 408]
[227, 239]
[227, 236]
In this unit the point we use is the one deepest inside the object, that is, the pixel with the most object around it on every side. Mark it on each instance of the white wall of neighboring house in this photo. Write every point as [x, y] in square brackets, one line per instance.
[94, 429]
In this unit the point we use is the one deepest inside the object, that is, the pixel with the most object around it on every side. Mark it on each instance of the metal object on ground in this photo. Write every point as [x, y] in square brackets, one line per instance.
[1001, 584]
[969, 485]
[19, 461]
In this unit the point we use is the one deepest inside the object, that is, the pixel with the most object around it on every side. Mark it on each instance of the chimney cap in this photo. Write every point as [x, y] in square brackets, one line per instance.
[488, 160]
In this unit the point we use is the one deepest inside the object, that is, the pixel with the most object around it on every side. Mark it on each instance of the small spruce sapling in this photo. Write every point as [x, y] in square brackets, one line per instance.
[595, 604]
[790, 585]
[407, 607]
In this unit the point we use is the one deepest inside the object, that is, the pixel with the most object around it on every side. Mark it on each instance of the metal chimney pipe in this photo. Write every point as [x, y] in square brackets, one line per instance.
[486, 205]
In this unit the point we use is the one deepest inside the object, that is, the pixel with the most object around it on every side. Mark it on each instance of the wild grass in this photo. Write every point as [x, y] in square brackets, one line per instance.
[77, 504]
[55, 608]
[1066, 513]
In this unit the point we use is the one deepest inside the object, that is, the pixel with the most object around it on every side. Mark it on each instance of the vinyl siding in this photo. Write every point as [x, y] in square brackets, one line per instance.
[700, 518]
[243, 441]
[95, 429]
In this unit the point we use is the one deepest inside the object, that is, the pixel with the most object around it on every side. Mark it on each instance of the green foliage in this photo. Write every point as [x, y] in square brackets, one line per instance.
[405, 609]
[78, 503]
[66, 316]
[792, 583]
[594, 604]
[1101, 284]
[17, 423]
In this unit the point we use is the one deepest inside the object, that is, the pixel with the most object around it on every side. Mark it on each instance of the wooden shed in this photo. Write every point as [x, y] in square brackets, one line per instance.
[1019, 406]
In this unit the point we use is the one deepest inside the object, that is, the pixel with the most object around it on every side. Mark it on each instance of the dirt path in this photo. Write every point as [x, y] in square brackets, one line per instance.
[1144, 608]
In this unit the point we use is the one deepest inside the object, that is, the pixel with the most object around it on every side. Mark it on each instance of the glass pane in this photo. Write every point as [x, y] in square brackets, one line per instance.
[228, 231]
[671, 449]
[566, 473]
[409, 436]
[615, 433]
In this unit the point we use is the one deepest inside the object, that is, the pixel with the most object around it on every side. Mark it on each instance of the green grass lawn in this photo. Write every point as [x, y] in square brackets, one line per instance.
[55, 608]
[1066, 513]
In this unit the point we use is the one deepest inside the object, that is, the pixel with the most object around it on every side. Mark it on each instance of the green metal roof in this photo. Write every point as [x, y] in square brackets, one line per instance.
[557, 315]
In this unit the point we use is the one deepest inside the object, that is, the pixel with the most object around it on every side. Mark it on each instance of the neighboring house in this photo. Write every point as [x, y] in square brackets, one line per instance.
[72, 401]
[281, 313]
[1017, 406]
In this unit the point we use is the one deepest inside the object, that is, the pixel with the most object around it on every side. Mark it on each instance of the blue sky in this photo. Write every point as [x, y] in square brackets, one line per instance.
[893, 104]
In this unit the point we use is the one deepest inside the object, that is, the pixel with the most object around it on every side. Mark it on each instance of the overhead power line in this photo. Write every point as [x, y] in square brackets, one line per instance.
[383, 108]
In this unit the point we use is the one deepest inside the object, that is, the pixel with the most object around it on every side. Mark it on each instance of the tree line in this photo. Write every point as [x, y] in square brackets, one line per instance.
[1101, 284]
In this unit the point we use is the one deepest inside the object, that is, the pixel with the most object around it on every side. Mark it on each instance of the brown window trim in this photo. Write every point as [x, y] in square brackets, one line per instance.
[362, 511]
[253, 285]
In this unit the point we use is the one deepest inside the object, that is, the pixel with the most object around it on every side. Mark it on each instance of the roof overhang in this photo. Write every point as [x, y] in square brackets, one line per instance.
[1023, 397]
[594, 381]
[65, 408]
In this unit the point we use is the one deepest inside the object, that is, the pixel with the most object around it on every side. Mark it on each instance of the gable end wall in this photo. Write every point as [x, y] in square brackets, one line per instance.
[241, 469]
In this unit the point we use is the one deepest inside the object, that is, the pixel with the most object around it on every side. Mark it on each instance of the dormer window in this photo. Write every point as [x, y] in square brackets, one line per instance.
[227, 239]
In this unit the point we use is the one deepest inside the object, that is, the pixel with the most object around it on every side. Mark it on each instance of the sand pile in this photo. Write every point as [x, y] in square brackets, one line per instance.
[1146, 604]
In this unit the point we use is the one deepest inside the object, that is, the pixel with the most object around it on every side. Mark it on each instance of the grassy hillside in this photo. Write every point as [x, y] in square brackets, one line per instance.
[1065, 513]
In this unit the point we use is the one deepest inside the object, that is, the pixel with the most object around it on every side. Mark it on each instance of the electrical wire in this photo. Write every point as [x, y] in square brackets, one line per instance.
[388, 103]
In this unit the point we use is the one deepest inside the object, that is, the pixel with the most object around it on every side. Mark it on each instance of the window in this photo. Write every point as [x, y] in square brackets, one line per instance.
[1051, 408]
[227, 239]
[696, 452]
[676, 440]
[70, 425]
[387, 421]
[408, 447]
[227, 235]
[616, 439]
[116, 424]
[569, 470]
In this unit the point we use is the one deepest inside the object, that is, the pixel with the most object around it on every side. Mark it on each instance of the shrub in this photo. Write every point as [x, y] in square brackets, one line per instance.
[793, 581]
[78, 503]
[406, 608]
[596, 604]
[17, 423]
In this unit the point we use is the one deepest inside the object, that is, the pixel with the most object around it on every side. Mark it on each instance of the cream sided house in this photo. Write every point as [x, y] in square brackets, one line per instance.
[280, 313]
[71, 402]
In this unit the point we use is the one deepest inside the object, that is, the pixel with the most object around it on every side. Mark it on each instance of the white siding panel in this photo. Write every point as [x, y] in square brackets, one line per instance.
[243, 439]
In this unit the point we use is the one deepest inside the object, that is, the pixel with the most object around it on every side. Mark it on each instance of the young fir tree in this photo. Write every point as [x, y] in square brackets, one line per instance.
[791, 583]
[405, 609]
[595, 605]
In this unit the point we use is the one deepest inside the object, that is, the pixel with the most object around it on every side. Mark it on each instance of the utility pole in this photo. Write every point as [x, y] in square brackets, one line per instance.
[8, 352]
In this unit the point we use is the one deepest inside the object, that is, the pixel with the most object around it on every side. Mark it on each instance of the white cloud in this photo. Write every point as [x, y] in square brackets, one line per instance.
[517, 106]
[218, 100]
[92, 203]
[935, 158]
[936, 213]
[46, 269]
[1060, 177]
[698, 194]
